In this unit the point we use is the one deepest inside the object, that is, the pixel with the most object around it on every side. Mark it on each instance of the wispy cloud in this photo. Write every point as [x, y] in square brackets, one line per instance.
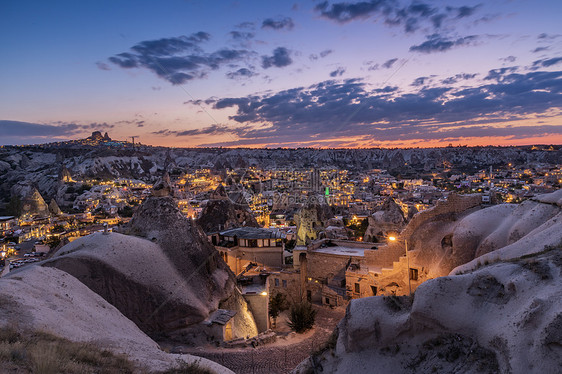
[440, 43]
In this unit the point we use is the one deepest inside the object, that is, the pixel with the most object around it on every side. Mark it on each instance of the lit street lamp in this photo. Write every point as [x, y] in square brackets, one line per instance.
[392, 239]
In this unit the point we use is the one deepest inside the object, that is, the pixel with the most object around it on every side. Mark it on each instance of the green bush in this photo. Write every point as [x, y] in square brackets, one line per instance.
[302, 317]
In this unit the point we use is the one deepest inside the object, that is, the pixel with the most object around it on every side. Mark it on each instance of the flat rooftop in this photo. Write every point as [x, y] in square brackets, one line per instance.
[342, 251]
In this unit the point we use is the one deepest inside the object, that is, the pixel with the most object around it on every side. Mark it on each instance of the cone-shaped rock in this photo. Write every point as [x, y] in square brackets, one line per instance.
[221, 213]
[34, 204]
[54, 208]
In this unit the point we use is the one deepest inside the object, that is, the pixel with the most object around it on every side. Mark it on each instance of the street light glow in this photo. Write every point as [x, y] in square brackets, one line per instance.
[392, 238]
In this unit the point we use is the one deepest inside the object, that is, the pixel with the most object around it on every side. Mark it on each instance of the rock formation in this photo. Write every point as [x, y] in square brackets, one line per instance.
[163, 187]
[460, 230]
[221, 213]
[499, 313]
[167, 281]
[388, 218]
[34, 204]
[64, 175]
[310, 221]
[46, 299]
[54, 208]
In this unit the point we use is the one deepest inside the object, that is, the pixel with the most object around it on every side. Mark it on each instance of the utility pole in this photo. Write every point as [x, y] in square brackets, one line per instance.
[408, 270]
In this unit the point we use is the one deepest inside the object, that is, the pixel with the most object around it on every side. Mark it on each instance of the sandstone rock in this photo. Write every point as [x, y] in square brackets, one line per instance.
[167, 281]
[310, 220]
[163, 187]
[504, 318]
[54, 208]
[388, 218]
[221, 213]
[34, 204]
[46, 299]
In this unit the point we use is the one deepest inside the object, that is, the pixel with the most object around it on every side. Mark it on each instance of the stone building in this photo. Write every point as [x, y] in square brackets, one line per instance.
[241, 246]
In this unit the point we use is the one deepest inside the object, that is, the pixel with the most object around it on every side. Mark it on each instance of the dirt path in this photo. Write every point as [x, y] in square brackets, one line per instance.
[276, 358]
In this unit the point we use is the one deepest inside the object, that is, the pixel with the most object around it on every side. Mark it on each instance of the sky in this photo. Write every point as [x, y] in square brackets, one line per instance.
[371, 73]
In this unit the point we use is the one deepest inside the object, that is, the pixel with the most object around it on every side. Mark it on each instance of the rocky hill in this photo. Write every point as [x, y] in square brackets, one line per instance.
[47, 299]
[40, 166]
[165, 281]
[498, 313]
[461, 229]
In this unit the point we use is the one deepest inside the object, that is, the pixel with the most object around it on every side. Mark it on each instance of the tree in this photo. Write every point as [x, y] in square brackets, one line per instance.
[302, 317]
[277, 304]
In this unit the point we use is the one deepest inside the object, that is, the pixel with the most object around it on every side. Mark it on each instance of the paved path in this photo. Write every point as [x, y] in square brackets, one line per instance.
[275, 358]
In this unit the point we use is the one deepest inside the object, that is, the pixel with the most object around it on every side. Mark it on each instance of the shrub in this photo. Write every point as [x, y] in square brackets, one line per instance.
[302, 317]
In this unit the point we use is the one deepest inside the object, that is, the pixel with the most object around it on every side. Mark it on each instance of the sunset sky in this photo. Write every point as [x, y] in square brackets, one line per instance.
[381, 73]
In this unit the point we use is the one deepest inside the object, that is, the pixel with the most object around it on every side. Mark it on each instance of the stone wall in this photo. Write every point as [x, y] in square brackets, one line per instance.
[259, 305]
[287, 283]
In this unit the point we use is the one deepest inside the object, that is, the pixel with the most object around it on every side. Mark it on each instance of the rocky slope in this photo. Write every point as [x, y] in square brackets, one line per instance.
[502, 318]
[48, 299]
[40, 166]
[460, 229]
[167, 281]
[498, 313]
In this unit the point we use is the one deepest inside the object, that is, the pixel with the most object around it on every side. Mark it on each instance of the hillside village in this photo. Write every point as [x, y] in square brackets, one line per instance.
[215, 241]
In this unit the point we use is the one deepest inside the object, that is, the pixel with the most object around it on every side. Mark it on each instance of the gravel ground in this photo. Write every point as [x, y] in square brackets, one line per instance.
[276, 358]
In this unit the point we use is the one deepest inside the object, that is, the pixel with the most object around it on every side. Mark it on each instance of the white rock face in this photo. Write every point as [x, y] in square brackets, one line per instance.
[440, 242]
[503, 318]
[51, 300]
[498, 313]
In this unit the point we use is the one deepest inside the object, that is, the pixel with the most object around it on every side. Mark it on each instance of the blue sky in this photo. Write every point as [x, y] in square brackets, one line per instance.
[276, 73]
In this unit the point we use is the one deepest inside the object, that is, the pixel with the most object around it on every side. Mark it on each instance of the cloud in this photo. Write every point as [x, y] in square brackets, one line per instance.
[179, 59]
[540, 49]
[102, 66]
[464, 11]
[210, 130]
[545, 36]
[278, 24]
[414, 15]
[439, 43]
[419, 81]
[349, 108]
[323, 54]
[547, 62]
[508, 59]
[29, 129]
[388, 64]
[241, 73]
[499, 74]
[241, 36]
[338, 72]
[458, 77]
[281, 57]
